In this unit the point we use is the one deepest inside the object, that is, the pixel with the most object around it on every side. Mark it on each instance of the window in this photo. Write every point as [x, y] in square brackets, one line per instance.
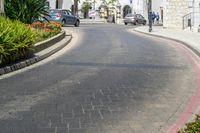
[69, 12]
[190, 4]
[140, 16]
[65, 12]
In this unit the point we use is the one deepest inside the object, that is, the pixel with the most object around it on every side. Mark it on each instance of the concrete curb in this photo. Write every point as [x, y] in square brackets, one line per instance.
[40, 55]
[49, 42]
[197, 52]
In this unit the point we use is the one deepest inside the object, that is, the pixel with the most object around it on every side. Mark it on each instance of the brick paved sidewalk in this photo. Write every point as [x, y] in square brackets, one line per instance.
[188, 37]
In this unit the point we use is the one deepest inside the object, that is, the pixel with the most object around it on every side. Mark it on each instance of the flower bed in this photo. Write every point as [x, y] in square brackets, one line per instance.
[46, 30]
[17, 39]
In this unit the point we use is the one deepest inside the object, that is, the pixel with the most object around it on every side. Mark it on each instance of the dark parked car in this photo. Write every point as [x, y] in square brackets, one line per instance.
[63, 16]
[134, 19]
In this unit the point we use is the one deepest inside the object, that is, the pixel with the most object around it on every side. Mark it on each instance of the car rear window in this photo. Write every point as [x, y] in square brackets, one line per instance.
[130, 15]
[53, 12]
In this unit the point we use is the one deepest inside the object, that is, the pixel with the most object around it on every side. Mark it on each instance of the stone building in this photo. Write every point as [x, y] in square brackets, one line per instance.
[174, 10]
[182, 14]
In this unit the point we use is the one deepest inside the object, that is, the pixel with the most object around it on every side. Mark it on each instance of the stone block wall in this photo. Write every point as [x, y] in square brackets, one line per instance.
[174, 10]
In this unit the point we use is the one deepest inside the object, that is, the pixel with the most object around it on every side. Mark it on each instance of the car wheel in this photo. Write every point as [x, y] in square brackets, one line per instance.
[77, 23]
[63, 22]
[125, 23]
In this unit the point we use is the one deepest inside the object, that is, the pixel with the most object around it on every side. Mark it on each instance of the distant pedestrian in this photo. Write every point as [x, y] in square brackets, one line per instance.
[113, 18]
[157, 17]
[153, 17]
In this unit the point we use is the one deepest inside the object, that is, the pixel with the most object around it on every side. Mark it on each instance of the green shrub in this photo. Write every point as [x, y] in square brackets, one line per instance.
[16, 40]
[27, 11]
[192, 127]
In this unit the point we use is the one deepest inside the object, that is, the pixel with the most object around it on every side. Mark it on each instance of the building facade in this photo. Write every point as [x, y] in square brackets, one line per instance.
[182, 14]
[174, 10]
[60, 4]
[174, 14]
[129, 6]
[195, 15]
[141, 7]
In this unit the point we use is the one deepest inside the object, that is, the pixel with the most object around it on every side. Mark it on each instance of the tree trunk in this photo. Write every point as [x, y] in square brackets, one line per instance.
[75, 10]
[1, 6]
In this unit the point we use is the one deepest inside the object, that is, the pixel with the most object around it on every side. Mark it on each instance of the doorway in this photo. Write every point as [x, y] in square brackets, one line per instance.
[126, 10]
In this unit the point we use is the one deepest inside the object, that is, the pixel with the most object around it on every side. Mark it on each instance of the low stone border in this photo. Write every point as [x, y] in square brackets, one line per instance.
[49, 42]
[197, 52]
[39, 57]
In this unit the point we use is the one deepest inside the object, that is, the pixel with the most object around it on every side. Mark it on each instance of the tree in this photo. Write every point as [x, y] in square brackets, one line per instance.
[26, 10]
[85, 8]
[75, 10]
[109, 2]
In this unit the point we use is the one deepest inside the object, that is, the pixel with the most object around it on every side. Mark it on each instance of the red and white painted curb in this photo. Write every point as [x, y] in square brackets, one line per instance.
[194, 101]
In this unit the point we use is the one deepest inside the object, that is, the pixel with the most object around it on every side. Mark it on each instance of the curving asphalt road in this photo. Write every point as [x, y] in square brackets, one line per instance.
[113, 81]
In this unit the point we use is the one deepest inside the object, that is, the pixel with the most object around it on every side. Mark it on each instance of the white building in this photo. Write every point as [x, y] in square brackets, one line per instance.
[60, 4]
[175, 14]
[137, 6]
[195, 15]
[141, 7]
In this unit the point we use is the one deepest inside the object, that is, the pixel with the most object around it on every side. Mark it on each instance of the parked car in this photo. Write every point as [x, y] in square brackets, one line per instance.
[134, 19]
[63, 16]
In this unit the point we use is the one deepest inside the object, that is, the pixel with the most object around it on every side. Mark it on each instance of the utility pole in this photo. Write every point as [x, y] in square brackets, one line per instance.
[150, 15]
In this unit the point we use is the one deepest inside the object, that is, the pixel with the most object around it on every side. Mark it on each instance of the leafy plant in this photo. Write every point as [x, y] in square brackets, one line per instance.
[192, 127]
[27, 11]
[16, 40]
[85, 8]
[109, 2]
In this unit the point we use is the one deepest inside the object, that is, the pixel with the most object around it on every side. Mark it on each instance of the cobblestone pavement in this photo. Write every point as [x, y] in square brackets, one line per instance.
[112, 82]
[191, 38]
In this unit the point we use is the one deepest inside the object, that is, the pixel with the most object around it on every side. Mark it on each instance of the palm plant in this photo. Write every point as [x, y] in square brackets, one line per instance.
[85, 8]
[26, 10]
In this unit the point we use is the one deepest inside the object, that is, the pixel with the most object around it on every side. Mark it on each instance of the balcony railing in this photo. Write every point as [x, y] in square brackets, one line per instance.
[188, 19]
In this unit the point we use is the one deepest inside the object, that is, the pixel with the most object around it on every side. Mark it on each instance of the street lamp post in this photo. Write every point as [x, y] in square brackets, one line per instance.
[150, 15]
